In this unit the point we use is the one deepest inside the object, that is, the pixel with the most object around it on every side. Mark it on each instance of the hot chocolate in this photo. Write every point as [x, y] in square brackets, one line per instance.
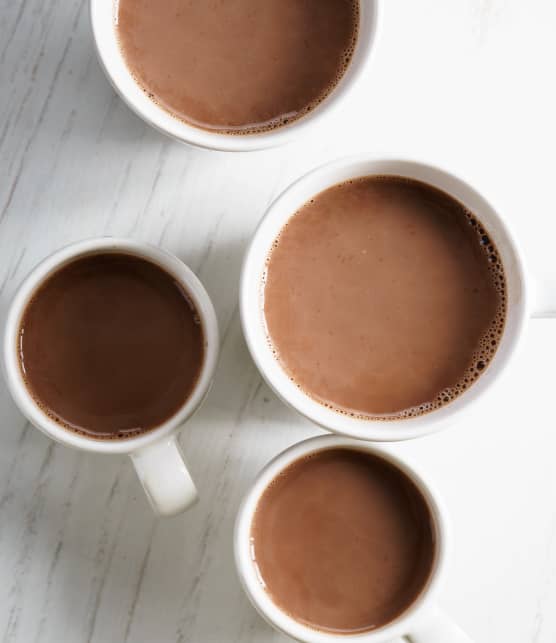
[110, 346]
[384, 298]
[240, 66]
[343, 541]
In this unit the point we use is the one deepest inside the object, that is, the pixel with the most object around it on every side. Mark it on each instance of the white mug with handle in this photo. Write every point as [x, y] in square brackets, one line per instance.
[156, 454]
[422, 622]
[525, 298]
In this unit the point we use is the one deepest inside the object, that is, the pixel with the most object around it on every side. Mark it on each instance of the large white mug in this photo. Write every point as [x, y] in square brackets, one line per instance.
[156, 454]
[104, 16]
[523, 300]
[422, 622]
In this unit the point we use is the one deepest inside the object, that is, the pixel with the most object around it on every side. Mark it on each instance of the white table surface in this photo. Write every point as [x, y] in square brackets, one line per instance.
[468, 84]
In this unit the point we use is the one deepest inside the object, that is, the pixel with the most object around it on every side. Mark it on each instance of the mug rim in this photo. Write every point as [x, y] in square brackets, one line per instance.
[48, 266]
[262, 601]
[119, 75]
[252, 290]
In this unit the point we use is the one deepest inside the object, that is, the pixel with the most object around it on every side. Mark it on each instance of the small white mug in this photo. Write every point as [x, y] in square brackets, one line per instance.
[156, 454]
[519, 296]
[422, 622]
[104, 15]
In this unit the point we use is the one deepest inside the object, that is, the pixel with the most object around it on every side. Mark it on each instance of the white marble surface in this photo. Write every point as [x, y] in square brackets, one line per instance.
[469, 84]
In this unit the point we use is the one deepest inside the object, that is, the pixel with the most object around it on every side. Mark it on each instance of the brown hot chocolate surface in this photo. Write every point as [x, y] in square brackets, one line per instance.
[111, 346]
[384, 297]
[237, 66]
[343, 541]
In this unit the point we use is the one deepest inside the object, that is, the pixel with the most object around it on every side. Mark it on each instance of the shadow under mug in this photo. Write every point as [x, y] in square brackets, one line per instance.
[104, 24]
[519, 296]
[156, 453]
[422, 622]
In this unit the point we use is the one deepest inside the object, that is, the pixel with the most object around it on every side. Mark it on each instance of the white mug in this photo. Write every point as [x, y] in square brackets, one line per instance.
[422, 622]
[156, 454]
[521, 304]
[104, 22]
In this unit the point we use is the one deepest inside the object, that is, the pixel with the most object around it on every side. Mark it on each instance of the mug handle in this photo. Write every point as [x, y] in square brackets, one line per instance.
[438, 628]
[544, 298]
[162, 471]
